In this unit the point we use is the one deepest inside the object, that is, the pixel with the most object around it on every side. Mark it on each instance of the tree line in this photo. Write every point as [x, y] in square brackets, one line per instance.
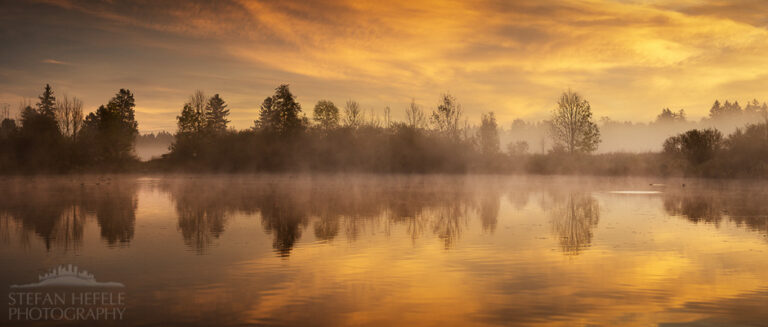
[53, 136]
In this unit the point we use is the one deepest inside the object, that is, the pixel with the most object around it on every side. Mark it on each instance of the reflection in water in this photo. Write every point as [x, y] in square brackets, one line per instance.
[573, 221]
[744, 207]
[201, 212]
[489, 211]
[389, 250]
[287, 206]
[57, 210]
[115, 209]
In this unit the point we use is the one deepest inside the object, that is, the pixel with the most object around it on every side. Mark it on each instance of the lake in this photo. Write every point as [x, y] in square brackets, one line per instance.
[336, 250]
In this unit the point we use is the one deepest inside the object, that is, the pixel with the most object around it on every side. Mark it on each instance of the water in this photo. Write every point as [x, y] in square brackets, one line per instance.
[398, 250]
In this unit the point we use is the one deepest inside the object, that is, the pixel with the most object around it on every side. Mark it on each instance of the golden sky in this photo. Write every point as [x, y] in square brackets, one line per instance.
[628, 58]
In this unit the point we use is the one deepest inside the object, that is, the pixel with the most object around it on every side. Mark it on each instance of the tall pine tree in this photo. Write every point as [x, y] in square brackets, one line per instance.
[280, 112]
[216, 114]
[47, 104]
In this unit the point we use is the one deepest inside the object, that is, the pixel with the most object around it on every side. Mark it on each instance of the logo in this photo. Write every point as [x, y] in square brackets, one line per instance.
[66, 293]
[68, 277]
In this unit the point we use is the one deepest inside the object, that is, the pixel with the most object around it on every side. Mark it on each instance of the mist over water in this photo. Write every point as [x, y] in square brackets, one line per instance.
[399, 249]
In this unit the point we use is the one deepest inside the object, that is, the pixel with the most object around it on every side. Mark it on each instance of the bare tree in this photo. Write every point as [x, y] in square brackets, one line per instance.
[572, 126]
[77, 116]
[447, 116]
[415, 116]
[69, 114]
[387, 117]
[198, 101]
[374, 120]
[353, 115]
[5, 111]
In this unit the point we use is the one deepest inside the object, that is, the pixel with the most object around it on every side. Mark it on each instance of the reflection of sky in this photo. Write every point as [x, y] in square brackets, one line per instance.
[641, 266]
[629, 58]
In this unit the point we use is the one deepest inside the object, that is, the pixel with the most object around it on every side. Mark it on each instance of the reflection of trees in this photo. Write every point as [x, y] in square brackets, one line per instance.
[518, 197]
[573, 221]
[281, 215]
[200, 226]
[201, 210]
[115, 210]
[331, 207]
[56, 210]
[448, 223]
[695, 208]
[489, 211]
[326, 228]
[747, 208]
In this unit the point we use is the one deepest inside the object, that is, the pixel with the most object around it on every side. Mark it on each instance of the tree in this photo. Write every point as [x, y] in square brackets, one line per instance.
[518, 148]
[112, 130]
[216, 114]
[489, 135]
[669, 116]
[187, 120]
[197, 103]
[697, 146]
[353, 115]
[47, 104]
[326, 115]
[727, 109]
[572, 126]
[415, 117]
[447, 116]
[280, 112]
[715, 110]
[70, 116]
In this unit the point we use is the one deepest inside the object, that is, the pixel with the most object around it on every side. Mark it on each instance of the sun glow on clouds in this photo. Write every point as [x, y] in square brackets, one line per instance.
[629, 58]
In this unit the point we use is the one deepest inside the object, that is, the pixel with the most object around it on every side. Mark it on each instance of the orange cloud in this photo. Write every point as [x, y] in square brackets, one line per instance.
[629, 58]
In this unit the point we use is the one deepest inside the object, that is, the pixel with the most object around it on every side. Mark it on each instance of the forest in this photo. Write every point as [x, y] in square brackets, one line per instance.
[54, 136]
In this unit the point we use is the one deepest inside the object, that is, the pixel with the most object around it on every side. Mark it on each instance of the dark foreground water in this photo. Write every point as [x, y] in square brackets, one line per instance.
[386, 250]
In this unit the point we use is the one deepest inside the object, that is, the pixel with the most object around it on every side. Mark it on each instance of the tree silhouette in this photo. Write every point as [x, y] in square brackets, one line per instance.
[697, 146]
[326, 115]
[69, 114]
[488, 135]
[415, 117]
[669, 116]
[47, 104]
[187, 120]
[353, 115]
[216, 114]
[447, 116]
[280, 113]
[572, 125]
[112, 130]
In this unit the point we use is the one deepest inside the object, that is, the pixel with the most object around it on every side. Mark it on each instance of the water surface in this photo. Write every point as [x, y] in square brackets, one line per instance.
[399, 250]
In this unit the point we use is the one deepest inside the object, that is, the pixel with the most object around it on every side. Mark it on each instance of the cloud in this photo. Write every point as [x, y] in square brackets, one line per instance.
[630, 58]
[56, 62]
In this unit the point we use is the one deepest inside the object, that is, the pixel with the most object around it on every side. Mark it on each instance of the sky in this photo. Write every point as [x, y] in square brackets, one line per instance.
[629, 59]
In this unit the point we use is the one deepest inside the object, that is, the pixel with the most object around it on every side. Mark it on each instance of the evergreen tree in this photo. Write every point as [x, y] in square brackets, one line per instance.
[47, 104]
[216, 114]
[280, 113]
[716, 109]
[110, 132]
[188, 119]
